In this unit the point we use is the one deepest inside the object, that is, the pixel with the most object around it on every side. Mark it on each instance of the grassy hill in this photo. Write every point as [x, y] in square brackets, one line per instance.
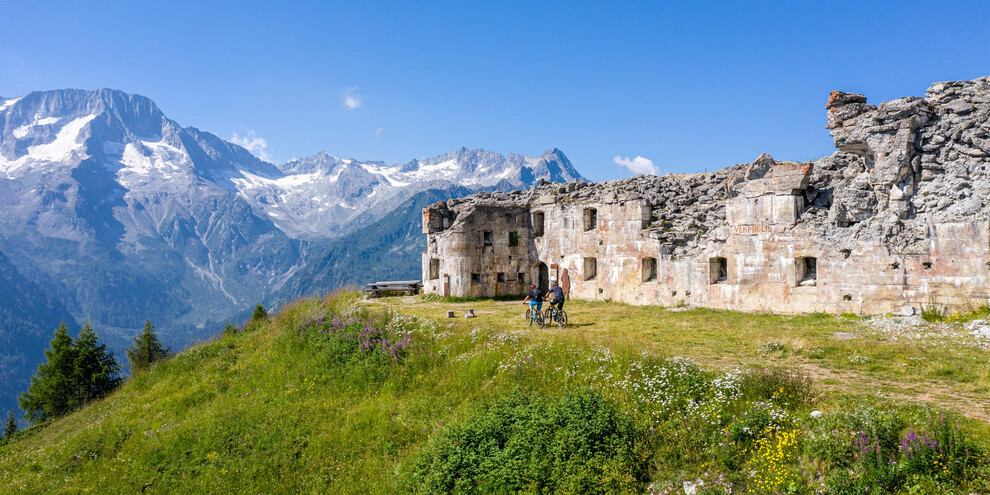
[340, 395]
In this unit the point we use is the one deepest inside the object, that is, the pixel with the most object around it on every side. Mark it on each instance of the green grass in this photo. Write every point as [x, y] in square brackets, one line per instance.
[834, 349]
[268, 410]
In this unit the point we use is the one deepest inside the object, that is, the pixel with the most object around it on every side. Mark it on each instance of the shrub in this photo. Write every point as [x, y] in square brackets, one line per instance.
[794, 389]
[773, 462]
[936, 448]
[761, 419]
[577, 443]
[932, 312]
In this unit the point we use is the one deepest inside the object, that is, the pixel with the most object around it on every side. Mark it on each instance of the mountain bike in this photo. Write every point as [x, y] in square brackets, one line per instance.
[554, 315]
[532, 315]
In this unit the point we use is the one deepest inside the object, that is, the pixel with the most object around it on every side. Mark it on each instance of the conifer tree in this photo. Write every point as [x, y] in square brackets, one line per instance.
[259, 313]
[96, 372]
[73, 372]
[52, 392]
[11, 426]
[147, 349]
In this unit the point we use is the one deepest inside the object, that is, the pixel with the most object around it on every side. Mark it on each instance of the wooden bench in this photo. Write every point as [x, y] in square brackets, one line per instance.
[379, 289]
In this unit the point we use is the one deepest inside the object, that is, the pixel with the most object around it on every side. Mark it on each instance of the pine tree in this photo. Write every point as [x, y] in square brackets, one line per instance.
[73, 373]
[147, 349]
[259, 313]
[52, 391]
[11, 426]
[96, 372]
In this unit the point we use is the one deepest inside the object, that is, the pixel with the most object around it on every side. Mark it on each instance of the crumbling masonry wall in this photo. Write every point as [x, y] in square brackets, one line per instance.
[899, 215]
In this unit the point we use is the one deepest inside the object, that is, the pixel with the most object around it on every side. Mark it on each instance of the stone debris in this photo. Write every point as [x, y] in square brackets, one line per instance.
[980, 330]
[692, 487]
[914, 328]
[906, 311]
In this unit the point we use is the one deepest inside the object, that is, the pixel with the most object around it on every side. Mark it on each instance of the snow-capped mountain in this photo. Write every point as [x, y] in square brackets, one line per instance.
[125, 215]
[146, 154]
[120, 214]
[318, 196]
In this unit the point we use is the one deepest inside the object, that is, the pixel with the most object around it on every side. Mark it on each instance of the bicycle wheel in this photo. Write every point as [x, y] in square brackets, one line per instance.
[562, 319]
[548, 316]
[540, 322]
[529, 317]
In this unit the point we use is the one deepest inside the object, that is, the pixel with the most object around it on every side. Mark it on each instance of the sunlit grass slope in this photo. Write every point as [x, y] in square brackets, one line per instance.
[942, 365]
[339, 395]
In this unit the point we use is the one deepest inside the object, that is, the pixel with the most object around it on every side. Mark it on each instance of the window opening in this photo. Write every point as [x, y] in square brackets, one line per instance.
[719, 270]
[538, 223]
[590, 268]
[434, 268]
[513, 239]
[807, 272]
[649, 269]
[487, 238]
[590, 219]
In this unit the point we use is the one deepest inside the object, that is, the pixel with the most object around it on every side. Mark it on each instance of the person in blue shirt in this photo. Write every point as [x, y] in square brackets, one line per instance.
[555, 295]
[534, 298]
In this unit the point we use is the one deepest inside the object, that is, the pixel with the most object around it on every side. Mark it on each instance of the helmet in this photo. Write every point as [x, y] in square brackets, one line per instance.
[532, 286]
[553, 280]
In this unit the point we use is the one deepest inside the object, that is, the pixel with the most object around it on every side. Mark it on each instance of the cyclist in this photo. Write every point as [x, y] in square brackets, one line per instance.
[555, 295]
[534, 299]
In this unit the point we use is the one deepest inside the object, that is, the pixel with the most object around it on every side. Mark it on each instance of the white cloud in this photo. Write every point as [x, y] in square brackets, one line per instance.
[351, 99]
[638, 165]
[258, 146]
[379, 131]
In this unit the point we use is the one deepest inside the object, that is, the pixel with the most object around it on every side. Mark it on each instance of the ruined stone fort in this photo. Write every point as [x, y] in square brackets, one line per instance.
[898, 216]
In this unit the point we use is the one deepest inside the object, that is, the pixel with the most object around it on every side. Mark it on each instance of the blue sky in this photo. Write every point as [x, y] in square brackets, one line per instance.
[688, 85]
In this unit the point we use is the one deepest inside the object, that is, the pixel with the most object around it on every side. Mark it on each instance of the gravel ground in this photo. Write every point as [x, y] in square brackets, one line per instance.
[913, 328]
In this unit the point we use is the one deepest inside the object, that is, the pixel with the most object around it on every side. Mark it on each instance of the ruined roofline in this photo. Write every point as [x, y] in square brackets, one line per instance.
[922, 160]
[898, 215]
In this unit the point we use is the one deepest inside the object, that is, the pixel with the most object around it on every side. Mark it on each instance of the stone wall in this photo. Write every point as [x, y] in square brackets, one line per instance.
[899, 215]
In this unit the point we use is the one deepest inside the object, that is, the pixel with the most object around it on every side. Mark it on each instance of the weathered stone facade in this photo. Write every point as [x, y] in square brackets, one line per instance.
[900, 215]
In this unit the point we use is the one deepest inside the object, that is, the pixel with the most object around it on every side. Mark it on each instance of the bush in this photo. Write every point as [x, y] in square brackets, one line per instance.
[577, 443]
[876, 450]
[793, 389]
[936, 448]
